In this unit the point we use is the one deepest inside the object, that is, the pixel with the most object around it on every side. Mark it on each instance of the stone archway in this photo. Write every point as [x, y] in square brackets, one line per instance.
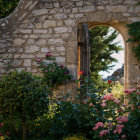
[131, 65]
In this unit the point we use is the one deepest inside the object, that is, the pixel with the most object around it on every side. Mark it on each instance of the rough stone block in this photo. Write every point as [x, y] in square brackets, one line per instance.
[27, 62]
[60, 29]
[69, 22]
[18, 42]
[87, 9]
[55, 41]
[40, 12]
[32, 49]
[61, 16]
[41, 42]
[40, 31]
[49, 23]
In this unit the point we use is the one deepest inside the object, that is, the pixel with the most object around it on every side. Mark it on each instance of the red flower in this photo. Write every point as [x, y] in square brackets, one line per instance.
[109, 81]
[81, 72]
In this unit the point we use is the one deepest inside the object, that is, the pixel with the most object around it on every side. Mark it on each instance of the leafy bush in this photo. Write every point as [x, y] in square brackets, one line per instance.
[53, 73]
[118, 91]
[7, 7]
[23, 97]
[122, 121]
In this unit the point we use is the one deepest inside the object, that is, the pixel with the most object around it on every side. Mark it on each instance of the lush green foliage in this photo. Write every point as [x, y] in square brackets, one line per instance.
[102, 47]
[7, 7]
[117, 90]
[53, 73]
[23, 98]
[89, 114]
[134, 32]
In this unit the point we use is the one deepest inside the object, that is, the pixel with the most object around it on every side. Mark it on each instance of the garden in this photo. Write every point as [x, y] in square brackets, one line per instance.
[29, 110]
[99, 109]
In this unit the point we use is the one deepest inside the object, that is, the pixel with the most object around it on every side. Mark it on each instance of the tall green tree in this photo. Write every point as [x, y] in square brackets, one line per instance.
[7, 7]
[102, 47]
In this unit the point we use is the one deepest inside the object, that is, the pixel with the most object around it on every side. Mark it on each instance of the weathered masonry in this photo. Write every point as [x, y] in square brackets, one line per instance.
[39, 26]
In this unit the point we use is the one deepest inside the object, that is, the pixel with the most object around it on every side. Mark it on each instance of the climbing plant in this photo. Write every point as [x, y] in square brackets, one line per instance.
[7, 7]
[134, 32]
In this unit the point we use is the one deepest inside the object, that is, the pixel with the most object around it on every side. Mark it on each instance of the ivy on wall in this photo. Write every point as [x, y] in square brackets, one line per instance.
[134, 32]
[7, 7]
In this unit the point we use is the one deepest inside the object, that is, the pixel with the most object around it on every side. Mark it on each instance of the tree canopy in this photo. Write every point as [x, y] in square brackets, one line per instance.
[7, 7]
[102, 47]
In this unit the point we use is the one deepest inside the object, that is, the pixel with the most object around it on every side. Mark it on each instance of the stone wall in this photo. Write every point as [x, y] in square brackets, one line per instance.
[39, 26]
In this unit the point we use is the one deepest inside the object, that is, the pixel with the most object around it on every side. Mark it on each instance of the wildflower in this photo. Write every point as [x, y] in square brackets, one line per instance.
[139, 107]
[81, 72]
[1, 134]
[109, 81]
[46, 71]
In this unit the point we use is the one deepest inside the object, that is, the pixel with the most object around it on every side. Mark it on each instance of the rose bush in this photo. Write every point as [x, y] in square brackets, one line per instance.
[53, 72]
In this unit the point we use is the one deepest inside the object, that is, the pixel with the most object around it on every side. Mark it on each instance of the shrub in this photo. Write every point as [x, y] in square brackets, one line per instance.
[23, 97]
[53, 72]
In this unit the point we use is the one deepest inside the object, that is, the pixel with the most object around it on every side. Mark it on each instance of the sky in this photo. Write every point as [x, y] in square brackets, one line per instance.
[119, 56]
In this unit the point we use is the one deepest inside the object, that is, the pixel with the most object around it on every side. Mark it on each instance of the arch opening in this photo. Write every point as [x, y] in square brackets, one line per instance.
[97, 49]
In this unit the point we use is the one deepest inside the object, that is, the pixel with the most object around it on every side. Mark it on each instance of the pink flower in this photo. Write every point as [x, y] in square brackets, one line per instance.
[1, 134]
[129, 91]
[84, 102]
[115, 131]
[104, 105]
[122, 119]
[119, 130]
[91, 104]
[103, 132]
[95, 128]
[109, 97]
[138, 86]
[116, 101]
[123, 136]
[46, 71]
[2, 124]
[138, 93]
[132, 108]
[99, 124]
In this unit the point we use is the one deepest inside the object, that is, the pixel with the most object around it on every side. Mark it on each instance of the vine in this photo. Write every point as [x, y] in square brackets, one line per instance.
[134, 32]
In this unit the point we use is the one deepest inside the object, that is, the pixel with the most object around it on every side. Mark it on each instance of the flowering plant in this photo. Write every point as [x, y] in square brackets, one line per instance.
[53, 72]
[3, 134]
[121, 122]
